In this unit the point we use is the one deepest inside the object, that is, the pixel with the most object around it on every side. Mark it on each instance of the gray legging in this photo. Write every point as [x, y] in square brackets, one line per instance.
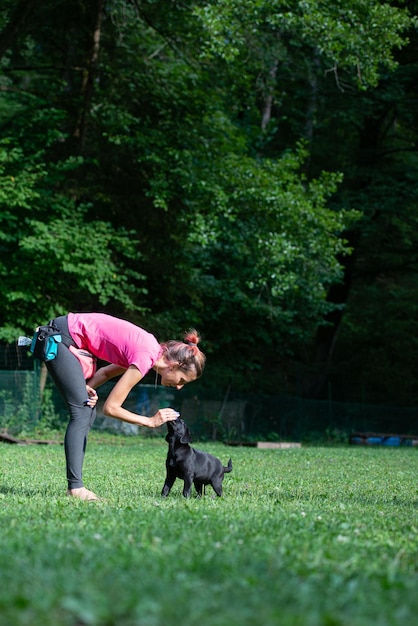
[67, 374]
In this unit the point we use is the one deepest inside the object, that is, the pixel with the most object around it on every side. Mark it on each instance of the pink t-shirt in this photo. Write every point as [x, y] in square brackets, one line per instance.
[114, 340]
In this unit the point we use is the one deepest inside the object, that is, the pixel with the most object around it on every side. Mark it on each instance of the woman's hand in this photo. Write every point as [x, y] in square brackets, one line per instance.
[92, 397]
[162, 416]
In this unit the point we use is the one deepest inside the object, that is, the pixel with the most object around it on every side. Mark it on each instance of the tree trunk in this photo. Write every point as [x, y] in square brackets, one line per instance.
[268, 102]
[87, 86]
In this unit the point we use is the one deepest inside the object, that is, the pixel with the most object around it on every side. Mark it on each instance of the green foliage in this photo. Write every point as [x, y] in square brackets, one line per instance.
[266, 239]
[310, 537]
[376, 348]
[17, 181]
[50, 242]
[360, 35]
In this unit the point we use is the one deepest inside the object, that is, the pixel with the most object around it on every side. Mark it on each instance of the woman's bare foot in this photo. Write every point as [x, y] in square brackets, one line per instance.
[82, 493]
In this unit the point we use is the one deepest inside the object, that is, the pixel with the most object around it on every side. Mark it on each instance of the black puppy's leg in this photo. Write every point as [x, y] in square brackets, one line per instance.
[187, 489]
[198, 485]
[169, 482]
[217, 486]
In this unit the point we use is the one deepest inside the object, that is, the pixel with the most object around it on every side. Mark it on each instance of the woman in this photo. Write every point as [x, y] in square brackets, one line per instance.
[131, 352]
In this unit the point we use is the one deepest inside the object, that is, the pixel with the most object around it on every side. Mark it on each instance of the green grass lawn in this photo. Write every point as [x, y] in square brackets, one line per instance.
[310, 537]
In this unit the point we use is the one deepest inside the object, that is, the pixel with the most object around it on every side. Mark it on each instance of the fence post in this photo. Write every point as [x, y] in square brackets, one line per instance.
[37, 401]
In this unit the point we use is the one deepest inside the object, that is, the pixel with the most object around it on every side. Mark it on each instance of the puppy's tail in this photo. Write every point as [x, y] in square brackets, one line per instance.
[228, 468]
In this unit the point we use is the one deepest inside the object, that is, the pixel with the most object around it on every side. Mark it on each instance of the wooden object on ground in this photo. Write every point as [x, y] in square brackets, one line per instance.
[265, 444]
[278, 444]
[6, 438]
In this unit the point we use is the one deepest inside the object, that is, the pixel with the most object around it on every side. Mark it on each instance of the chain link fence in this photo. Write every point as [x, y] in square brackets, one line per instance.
[28, 398]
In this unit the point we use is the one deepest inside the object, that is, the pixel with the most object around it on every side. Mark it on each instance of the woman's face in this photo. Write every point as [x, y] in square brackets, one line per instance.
[176, 377]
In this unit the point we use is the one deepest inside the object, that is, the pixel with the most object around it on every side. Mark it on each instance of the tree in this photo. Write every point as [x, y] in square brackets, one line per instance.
[170, 134]
[368, 341]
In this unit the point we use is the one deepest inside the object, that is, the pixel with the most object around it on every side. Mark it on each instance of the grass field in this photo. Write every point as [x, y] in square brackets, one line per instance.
[302, 537]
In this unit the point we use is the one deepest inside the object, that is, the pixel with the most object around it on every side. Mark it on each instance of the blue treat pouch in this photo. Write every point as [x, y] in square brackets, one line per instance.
[45, 342]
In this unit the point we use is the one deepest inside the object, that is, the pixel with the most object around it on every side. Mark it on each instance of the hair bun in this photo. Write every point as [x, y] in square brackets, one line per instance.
[192, 337]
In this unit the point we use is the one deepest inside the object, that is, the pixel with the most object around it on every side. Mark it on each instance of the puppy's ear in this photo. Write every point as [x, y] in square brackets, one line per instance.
[186, 436]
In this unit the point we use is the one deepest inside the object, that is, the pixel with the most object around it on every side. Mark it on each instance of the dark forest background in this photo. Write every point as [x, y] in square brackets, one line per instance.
[247, 167]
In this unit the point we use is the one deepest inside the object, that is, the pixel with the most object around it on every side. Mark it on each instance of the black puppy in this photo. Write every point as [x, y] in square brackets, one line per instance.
[192, 466]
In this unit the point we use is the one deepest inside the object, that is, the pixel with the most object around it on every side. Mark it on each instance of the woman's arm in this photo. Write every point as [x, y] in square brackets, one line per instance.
[104, 374]
[113, 405]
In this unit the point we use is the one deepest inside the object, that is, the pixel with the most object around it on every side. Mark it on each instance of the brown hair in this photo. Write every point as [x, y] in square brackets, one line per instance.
[186, 353]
